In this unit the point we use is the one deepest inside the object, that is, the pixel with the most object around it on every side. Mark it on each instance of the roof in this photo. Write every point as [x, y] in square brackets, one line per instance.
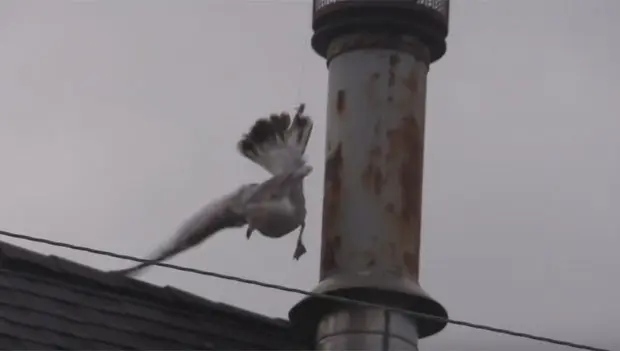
[47, 302]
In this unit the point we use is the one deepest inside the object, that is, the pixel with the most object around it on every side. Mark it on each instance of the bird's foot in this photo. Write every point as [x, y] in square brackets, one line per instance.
[299, 251]
[248, 233]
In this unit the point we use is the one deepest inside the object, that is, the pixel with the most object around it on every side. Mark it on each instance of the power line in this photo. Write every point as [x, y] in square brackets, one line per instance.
[303, 292]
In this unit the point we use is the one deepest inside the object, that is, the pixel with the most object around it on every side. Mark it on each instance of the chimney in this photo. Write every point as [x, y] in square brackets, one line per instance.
[378, 54]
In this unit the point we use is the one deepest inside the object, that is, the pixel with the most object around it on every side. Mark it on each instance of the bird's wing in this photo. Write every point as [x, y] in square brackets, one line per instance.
[276, 144]
[226, 212]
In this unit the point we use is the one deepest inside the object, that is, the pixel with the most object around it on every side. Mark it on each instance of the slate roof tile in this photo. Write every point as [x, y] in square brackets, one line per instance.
[47, 302]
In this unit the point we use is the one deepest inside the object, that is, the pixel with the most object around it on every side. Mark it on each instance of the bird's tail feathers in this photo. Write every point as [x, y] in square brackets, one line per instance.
[277, 143]
[299, 134]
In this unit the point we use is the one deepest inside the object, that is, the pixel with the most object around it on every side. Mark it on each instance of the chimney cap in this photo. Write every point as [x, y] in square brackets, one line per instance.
[426, 20]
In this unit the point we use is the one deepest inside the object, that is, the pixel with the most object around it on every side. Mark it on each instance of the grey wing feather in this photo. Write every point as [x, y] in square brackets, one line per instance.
[226, 212]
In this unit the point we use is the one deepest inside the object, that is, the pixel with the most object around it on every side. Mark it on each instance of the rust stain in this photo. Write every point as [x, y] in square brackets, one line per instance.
[369, 257]
[371, 263]
[392, 248]
[331, 211]
[340, 103]
[377, 182]
[411, 172]
[372, 176]
[330, 250]
[377, 128]
[411, 82]
[371, 90]
[394, 61]
[405, 153]
[412, 263]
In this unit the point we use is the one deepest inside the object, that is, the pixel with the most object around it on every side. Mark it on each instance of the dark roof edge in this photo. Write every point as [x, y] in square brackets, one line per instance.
[16, 258]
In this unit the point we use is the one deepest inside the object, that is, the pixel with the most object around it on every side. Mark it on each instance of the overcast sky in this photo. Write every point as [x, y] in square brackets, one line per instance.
[118, 119]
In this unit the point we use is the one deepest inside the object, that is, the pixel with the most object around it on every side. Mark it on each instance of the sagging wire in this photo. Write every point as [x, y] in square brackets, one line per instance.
[304, 292]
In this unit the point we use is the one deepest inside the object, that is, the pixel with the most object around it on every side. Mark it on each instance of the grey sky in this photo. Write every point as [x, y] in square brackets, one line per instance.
[118, 119]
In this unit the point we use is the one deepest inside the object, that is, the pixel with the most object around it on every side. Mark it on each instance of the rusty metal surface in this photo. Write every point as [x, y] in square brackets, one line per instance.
[358, 41]
[373, 178]
[331, 243]
[372, 193]
[366, 329]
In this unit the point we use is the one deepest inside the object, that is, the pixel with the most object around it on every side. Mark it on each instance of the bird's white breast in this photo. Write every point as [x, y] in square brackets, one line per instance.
[274, 218]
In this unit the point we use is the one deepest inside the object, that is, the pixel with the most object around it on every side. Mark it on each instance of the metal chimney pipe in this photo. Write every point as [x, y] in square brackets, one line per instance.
[378, 55]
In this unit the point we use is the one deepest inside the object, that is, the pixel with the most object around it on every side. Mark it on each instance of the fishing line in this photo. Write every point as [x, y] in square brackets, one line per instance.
[302, 69]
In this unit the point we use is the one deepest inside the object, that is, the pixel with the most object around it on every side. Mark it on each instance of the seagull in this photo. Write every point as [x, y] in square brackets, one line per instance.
[275, 207]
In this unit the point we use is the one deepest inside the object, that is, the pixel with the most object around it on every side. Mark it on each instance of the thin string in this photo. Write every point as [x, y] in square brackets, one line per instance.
[302, 70]
[300, 291]
[301, 75]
